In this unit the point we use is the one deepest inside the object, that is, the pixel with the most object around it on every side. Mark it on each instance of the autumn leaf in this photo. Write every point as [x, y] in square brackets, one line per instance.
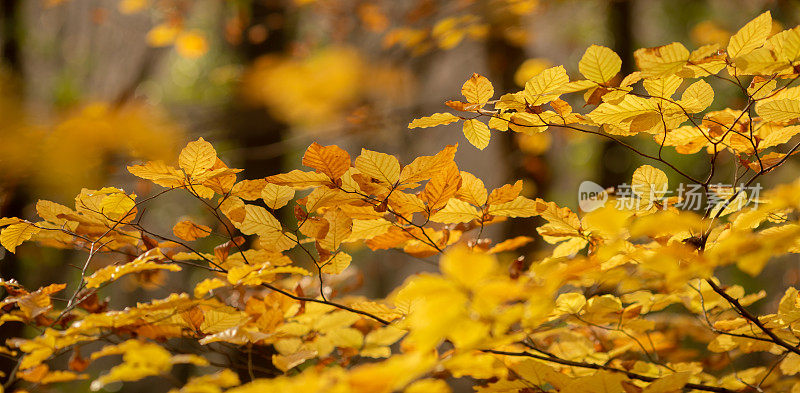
[436, 119]
[441, 187]
[329, 160]
[477, 89]
[751, 36]
[380, 166]
[276, 196]
[15, 234]
[544, 87]
[599, 64]
[189, 231]
[477, 133]
[197, 157]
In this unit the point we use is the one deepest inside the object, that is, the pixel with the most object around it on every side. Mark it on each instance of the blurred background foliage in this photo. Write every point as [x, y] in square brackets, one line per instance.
[87, 86]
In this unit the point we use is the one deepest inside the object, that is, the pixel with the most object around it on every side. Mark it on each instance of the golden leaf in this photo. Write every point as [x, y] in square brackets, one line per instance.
[276, 196]
[259, 221]
[142, 263]
[425, 167]
[383, 167]
[472, 189]
[337, 263]
[189, 231]
[15, 234]
[436, 119]
[750, 36]
[299, 180]
[456, 211]
[519, 207]
[442, 187]
[477, 133]
[330, 160]
[545, 86]
[599, 64]
[197, 157]
[477, 89]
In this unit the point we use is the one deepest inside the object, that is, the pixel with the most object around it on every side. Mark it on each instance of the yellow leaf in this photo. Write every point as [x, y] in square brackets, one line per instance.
[441, 187]
[330, 160]
[159, 173]
[779, 110]
[258, 220]
[570, 303]
[197, 157]
[337, 263]
[207, 285]
[276, 196]
[630, 107]
[790, 365]
[773, 136]
[191, 44]
[669, 384]
[380, 166]
[456, 211]
[425, 167]
[211, 383]
[505, 193]
[530, 68]
[340, 226]
[50, 211]
[300, 180]
[118, 206]
[436, 119]
[663, 87]
[472, 189]
[649, 183]
[477, 89]
[661, 60]
[218, 319]
[545, 86]
[381, 311]
[142, 263]
[786, 44]
[367, 229]
[510, 244]
[14, 234]
[599, 64]
[140, 360]
[477, 133]
[519, 207]
[697, 97]
[467, 267]
[250, 190]
[751, 36]
[189, 231]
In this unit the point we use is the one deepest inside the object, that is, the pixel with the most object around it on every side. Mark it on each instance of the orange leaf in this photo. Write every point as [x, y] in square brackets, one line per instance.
[187, 230]
[330, 160]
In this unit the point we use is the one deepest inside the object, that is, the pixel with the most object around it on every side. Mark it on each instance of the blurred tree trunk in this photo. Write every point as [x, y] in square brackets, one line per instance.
[12, 199]
[620, 24]
[504, 58]
[251, 124]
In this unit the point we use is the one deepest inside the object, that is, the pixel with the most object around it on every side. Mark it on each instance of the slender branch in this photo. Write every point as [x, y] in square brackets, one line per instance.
[593, 366]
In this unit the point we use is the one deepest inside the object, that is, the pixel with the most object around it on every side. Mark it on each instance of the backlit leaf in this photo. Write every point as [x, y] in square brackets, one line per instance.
[477, 133]
[477, 89]
[599, 64]
[330, 160]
